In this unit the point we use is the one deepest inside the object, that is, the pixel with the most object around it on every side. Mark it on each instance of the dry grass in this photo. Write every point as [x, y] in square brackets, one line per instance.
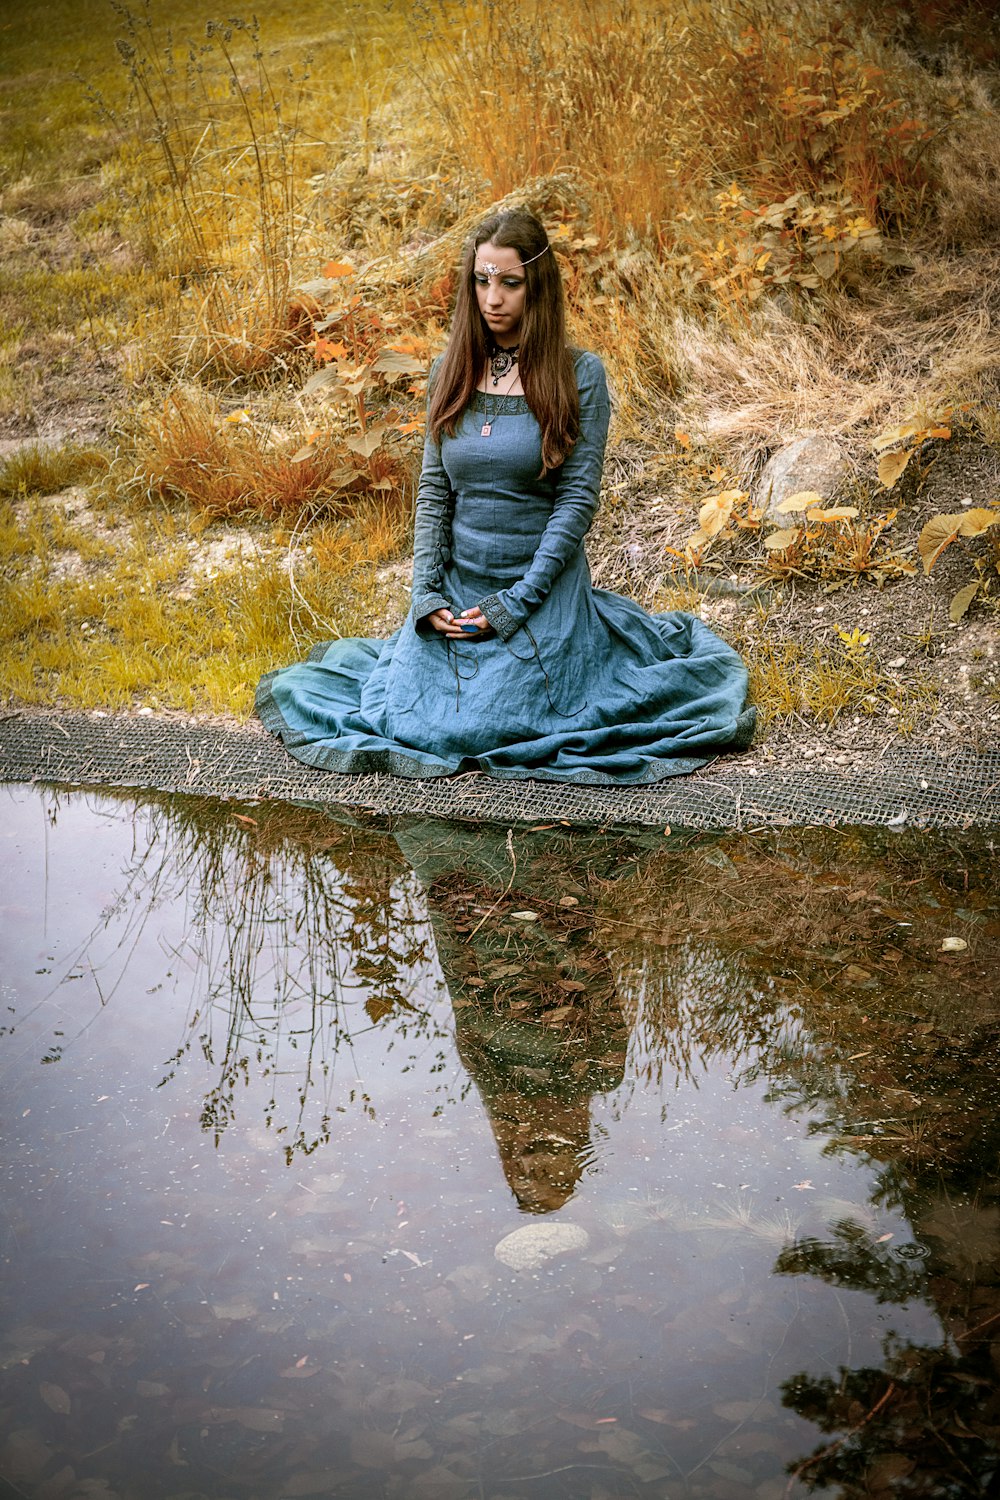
[791, 682]
[135, 615]
[769, 220]
[40, 470]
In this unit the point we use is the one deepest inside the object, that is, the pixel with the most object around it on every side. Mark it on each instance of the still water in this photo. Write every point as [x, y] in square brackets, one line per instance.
[476, 1164]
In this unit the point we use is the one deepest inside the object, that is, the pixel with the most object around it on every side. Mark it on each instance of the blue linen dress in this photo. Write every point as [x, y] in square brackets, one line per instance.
[577, 684]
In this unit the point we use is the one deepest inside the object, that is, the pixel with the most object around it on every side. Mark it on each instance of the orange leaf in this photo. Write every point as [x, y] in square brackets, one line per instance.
[334, 268]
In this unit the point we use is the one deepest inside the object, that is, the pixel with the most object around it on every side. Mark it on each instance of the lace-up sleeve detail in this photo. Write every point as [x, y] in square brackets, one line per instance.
[431, 536]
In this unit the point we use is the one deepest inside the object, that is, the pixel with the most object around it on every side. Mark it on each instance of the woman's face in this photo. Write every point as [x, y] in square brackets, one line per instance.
[500, 291]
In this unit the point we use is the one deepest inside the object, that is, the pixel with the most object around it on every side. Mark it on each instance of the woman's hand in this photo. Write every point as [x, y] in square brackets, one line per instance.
[445, 623]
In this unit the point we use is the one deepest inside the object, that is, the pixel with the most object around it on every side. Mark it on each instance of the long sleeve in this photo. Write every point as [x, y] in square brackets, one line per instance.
[577, 488]
[431, 535]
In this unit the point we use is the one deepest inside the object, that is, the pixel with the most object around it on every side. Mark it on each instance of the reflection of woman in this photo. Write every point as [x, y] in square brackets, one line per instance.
[538, 1023]
[510, 660]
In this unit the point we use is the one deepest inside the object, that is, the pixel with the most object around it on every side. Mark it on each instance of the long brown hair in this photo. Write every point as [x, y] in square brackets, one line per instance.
[545, 361]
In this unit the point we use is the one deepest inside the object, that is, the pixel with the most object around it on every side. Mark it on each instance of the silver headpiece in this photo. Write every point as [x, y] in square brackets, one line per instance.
[493, 270]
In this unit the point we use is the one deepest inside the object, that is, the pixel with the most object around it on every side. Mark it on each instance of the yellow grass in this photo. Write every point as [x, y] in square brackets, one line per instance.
[769, 219]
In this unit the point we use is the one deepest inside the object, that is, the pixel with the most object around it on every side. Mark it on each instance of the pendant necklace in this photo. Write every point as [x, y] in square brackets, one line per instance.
[502, 361]
[487, 428]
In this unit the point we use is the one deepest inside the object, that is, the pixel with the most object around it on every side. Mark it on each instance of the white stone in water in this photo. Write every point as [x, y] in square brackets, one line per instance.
[528, 1248]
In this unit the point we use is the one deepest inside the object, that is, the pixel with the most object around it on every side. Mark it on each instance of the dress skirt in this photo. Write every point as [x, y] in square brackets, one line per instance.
[572, 684]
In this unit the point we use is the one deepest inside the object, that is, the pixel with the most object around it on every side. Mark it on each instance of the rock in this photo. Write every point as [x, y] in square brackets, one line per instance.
[528, 1248]
[810, 463]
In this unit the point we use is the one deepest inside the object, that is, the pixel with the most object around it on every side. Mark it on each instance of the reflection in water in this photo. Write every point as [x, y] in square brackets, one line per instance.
[747, 1067]
[538, 1023]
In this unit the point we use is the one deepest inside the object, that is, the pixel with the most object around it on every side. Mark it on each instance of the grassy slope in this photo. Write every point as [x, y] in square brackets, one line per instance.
[659, 164]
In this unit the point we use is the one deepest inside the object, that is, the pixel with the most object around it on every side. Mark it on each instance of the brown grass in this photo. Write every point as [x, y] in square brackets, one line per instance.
[232, 465]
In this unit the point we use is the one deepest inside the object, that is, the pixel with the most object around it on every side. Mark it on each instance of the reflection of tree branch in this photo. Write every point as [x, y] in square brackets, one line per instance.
[845, 1437]
[852, 1260]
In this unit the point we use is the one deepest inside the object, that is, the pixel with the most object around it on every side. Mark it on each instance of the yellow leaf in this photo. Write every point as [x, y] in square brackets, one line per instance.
[696, 542]
[834, 513]
[961, 602]
[936, 536]
[892, 436]
[682, 438]
[891, 465]
[715, 513]
[978, 520]
[779, 541]
[762, 260]
[801, 500]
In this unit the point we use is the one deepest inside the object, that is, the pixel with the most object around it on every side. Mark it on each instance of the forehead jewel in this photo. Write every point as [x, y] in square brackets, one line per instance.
[494, 270]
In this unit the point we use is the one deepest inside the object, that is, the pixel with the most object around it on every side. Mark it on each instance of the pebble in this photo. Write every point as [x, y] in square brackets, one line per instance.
[528, 1248]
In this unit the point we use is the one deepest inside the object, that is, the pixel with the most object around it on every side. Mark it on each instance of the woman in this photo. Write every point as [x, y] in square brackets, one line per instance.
[511, 661]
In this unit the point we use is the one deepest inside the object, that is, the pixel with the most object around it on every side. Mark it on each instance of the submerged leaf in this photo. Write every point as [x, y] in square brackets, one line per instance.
[55, 1398]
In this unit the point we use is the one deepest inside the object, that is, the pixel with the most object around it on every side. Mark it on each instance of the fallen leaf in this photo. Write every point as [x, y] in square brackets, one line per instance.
[953, 945]
[978, 520]
[832, 513]
[891, 465]
[525, 916]
[801, 500]
[960, 603]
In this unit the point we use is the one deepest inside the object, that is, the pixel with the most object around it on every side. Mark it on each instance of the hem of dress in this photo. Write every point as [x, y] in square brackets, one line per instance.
[410, 766]
[343, 762]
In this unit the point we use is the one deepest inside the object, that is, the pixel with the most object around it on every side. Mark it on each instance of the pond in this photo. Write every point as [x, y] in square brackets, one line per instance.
[442, 1161]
